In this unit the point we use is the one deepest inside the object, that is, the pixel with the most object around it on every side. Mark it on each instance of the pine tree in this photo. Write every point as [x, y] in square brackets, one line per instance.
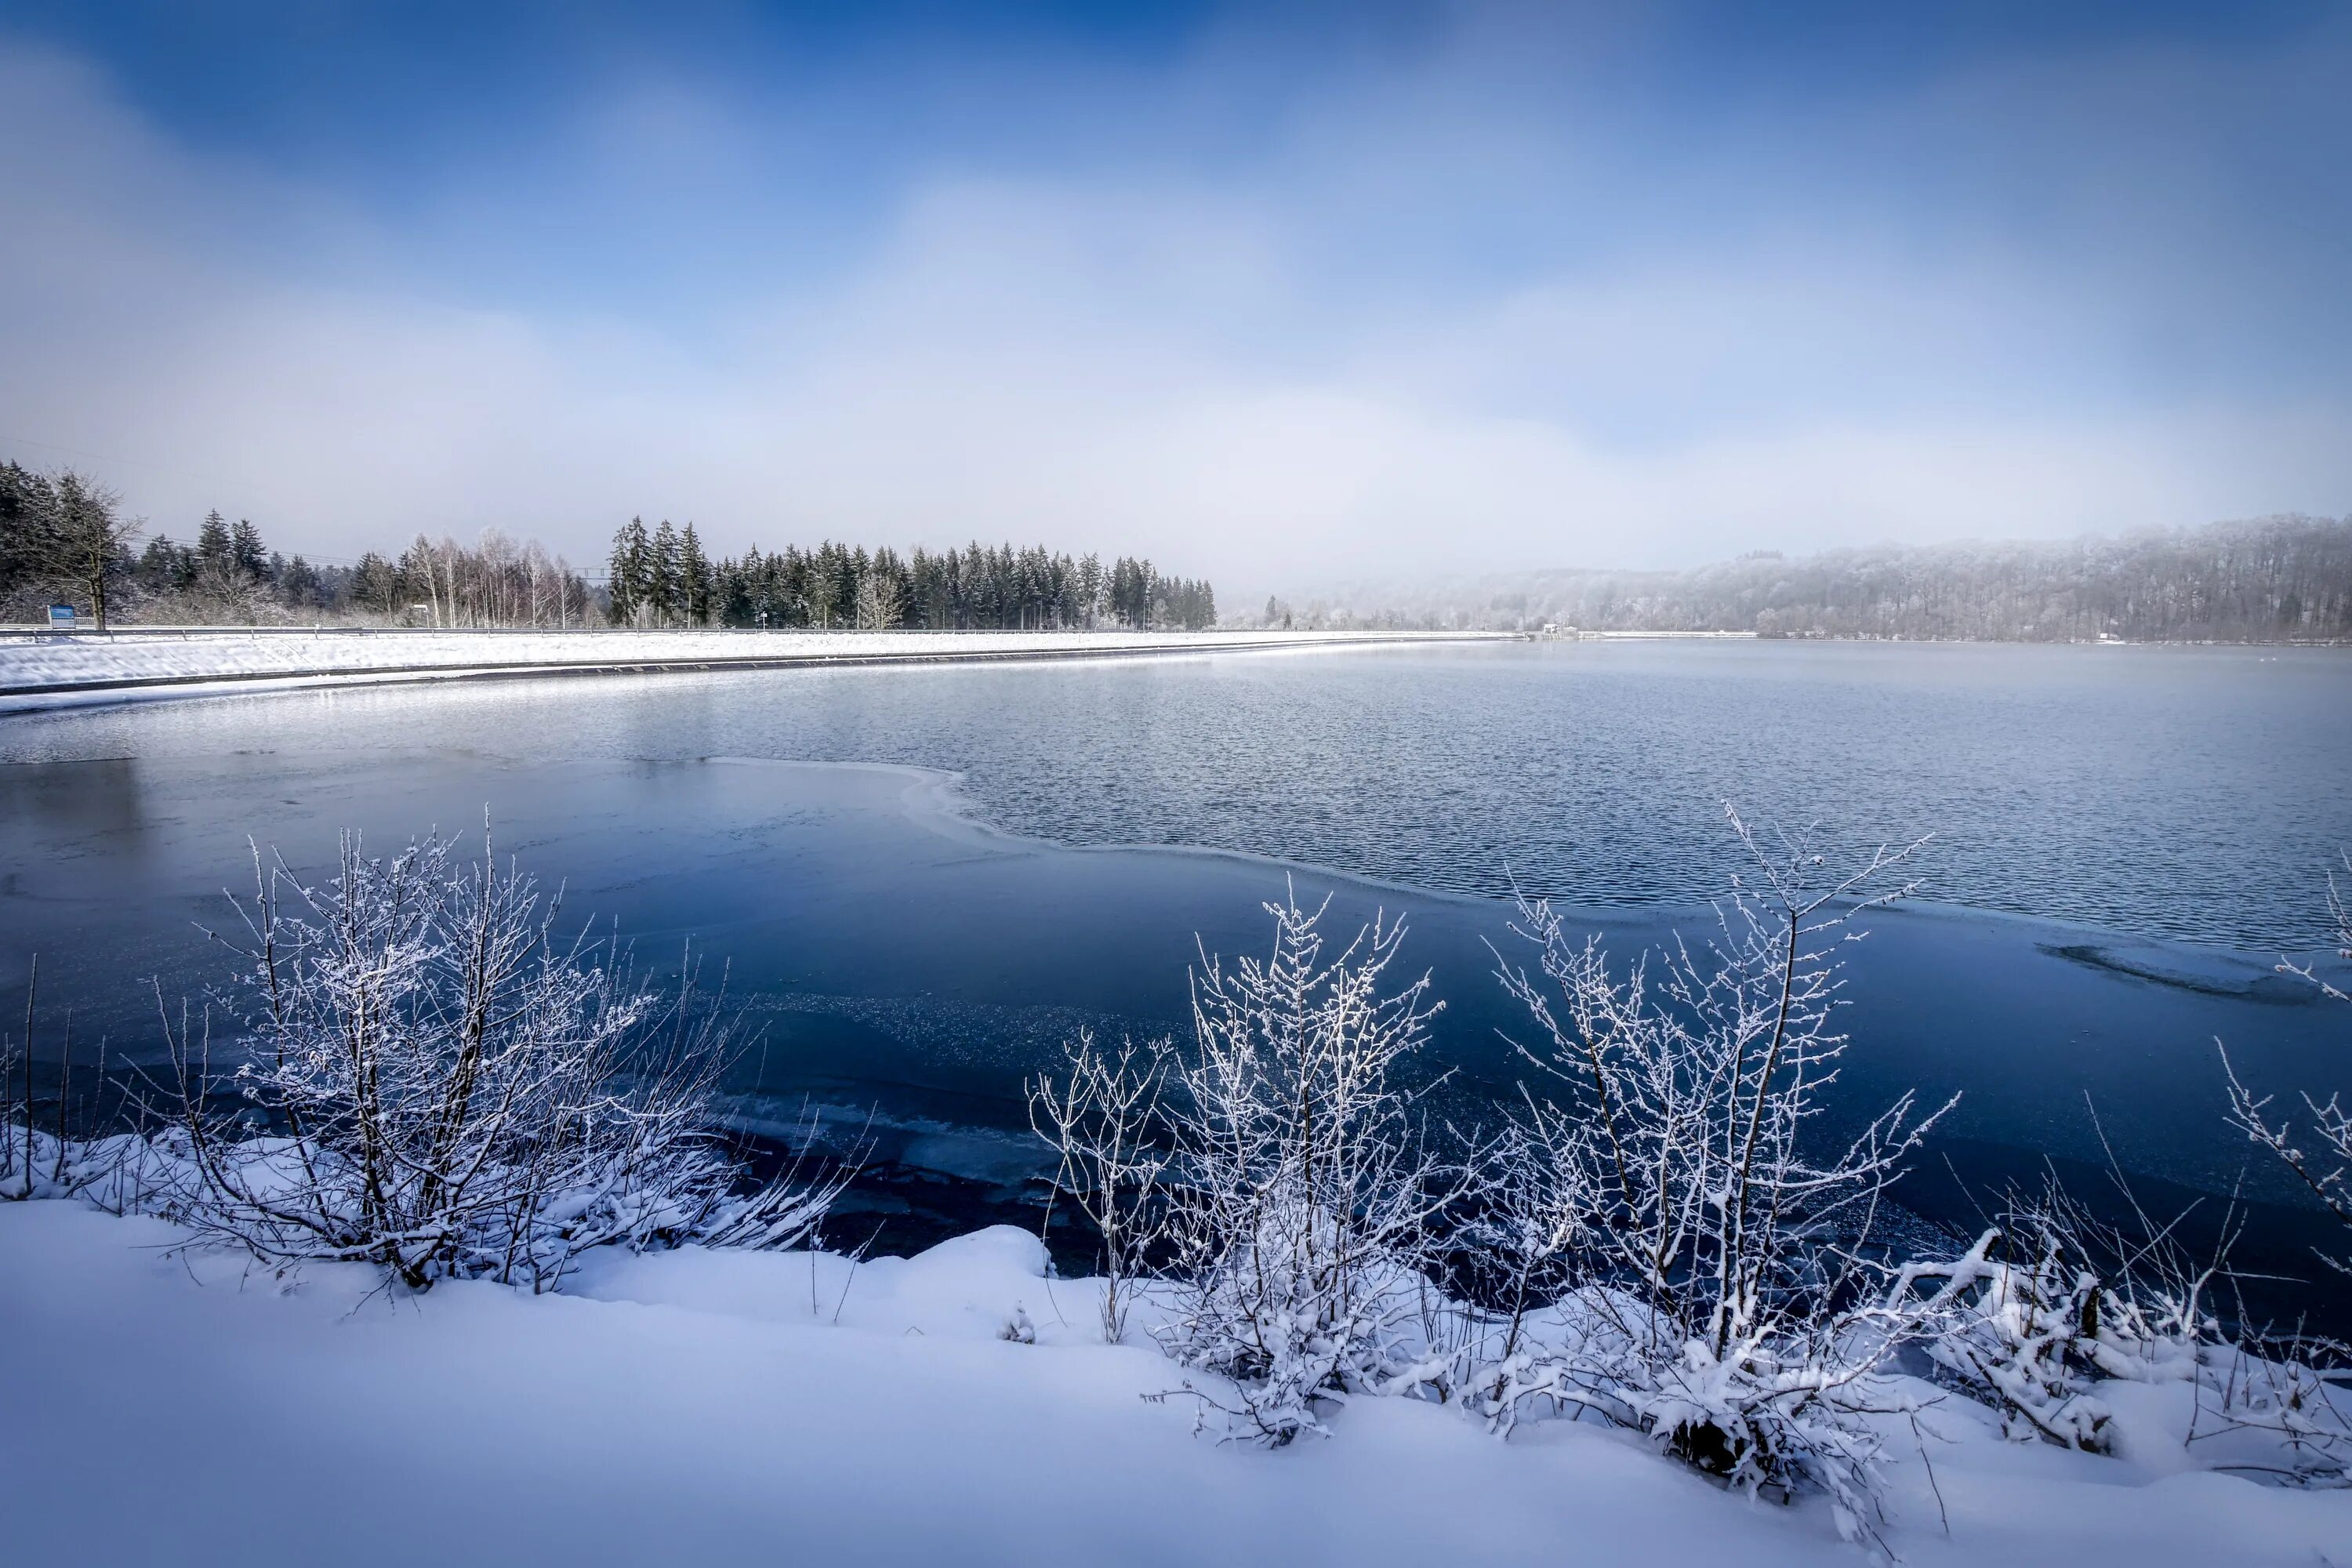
[662, 575]
[1132, 593]
[247, 552]
[159, 566]
[694, 580]
[740, 597]
[823, 590]
[630, 574]
[28, 527]
[212, 547]
[375, 584]
[297, 585]
[977, 587]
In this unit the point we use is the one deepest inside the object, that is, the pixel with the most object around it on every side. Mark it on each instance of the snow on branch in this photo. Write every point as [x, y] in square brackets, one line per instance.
[2319, 1152]
[1102, 1116]
[1719, 1254]
[433, 1078]
[1304, 1191]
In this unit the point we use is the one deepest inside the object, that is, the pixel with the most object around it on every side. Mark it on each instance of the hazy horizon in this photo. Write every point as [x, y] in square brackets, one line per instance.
[1285, 298]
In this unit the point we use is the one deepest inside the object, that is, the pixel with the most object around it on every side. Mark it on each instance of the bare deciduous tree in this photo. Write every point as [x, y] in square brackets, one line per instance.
[89, 539]
[879, 604]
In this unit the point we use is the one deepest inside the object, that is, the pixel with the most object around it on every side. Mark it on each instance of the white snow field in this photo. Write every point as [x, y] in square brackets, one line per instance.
[738, 1407]
[41, 671]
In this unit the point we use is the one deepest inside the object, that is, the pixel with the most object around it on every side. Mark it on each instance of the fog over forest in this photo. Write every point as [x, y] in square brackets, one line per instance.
[2268, 579]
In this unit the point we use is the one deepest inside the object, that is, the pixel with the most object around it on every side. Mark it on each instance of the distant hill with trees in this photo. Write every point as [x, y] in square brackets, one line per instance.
[2274, 579]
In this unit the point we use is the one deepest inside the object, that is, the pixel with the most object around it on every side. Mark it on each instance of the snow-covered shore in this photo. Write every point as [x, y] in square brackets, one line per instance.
[42, 670]
[698, 1406]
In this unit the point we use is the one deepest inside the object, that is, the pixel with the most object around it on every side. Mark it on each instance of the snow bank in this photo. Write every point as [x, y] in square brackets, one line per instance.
[694, 1406]
[42, 670]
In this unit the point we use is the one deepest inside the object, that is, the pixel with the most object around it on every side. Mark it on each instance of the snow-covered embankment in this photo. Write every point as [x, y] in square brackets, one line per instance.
[42, 670]
[704, 1407]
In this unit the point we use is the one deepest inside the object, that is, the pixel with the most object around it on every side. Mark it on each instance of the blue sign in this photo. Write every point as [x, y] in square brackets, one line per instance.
[61, 617]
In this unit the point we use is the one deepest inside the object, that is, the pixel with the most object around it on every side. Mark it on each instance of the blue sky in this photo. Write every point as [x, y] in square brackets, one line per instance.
[1288, 294]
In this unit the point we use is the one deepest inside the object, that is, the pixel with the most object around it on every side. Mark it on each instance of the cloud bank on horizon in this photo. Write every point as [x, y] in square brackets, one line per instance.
[1287, 296]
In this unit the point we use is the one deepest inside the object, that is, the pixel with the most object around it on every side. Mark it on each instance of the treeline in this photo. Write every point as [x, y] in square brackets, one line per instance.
[2276, 579]
[66, 539]
[229, 574]
[661, 578]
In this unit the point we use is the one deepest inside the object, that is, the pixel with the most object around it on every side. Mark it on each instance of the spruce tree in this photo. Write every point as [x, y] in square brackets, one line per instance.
[213, 542]
[247, 552]
[375, 584]
[662, 575]
[28, 520]
[298, 584]
[158, 566]
[693, 580]
[630, 569]
[739, 594]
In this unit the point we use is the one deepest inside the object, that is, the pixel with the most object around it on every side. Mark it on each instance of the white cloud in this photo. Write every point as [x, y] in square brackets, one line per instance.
[1158, 365]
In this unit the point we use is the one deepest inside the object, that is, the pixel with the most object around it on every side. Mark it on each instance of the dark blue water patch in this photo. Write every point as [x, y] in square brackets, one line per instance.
[891, 951]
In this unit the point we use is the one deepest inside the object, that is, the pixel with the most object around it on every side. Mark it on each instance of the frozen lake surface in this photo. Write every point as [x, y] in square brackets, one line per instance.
[2125, 840]
[2195, 793]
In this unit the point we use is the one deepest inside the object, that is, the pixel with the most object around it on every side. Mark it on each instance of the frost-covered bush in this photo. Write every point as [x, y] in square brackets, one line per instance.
[433, 1079]
[1722, 1294]
[2285, 1394]
[1102, 1116]
[1302, 1193]
[2050, 1309]
[120, 1174]
[2046, 1304]
[2319, 1152]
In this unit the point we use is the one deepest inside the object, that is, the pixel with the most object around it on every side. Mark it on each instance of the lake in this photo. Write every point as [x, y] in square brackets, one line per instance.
[920, 879]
